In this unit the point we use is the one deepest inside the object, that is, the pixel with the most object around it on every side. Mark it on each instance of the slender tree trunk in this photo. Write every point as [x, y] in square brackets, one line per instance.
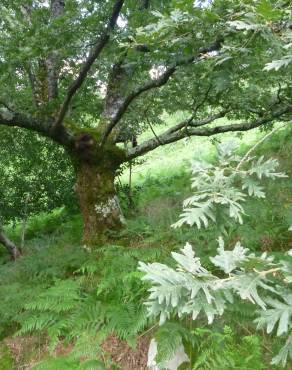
[98, 201]
[9, 245]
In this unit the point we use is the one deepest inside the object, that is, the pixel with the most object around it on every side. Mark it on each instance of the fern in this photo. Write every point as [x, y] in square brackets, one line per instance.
[89, 308]
[61, 297]
[167, 344]
[220, 350]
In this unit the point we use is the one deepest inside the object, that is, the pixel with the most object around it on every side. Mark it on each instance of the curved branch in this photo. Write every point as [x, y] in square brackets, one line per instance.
[9, 245]
[159, 82]
[10, 118]
[191, 123]
[94, 54]
[177, 132]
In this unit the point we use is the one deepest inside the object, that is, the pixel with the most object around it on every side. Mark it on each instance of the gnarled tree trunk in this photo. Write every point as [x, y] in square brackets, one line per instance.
[98, 202]
[9, 245]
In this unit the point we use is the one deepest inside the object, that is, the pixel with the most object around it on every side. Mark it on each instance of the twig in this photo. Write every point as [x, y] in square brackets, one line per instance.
[153, 132]
[147, 331]
[250, 333]
[261, 273]
[246, 157]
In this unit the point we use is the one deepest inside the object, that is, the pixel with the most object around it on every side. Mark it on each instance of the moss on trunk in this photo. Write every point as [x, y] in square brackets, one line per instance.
[98, 201]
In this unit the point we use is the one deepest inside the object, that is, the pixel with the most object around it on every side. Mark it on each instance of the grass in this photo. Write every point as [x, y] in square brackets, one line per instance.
[170, 159]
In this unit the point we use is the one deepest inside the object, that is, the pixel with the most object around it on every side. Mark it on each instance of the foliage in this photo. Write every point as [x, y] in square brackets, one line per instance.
[33, 179]
[192, 290]
[286, 59]
[221, 188]
[88, 308]
[166, 344]
[53, 258]
[170, 29]
[208, 349]
[219, 350]
[245, 27]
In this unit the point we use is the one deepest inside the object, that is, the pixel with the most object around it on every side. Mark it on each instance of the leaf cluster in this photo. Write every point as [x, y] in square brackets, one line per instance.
[190, 290]
[220, 189]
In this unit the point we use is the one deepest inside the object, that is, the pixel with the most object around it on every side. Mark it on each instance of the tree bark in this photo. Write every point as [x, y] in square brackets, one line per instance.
[99, 204]
[53, 63]
[9, 245]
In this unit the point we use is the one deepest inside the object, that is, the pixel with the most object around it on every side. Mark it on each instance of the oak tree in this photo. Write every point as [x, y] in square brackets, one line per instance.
[91, 75]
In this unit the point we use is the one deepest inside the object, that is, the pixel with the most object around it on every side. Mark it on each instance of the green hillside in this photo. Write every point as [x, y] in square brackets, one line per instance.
[61, 290]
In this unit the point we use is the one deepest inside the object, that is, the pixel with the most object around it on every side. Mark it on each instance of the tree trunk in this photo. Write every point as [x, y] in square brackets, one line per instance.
[9, 245]
[98, 201]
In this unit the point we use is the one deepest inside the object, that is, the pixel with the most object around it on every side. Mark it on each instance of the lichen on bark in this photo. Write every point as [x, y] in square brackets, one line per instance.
[95, 187]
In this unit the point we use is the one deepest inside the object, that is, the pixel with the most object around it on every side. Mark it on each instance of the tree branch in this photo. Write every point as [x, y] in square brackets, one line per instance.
[8, 117]
[52, 62]
[9, 245]
[153, 132]
[26, 10]
[33, 83]
[191, 123]
[93, 55]
[159, 82]
[177, 132]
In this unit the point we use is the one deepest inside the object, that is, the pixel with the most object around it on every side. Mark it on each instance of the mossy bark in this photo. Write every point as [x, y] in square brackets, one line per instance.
[98, 201]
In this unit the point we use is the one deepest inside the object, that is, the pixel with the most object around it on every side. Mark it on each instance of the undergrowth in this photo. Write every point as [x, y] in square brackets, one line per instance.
[68, 296]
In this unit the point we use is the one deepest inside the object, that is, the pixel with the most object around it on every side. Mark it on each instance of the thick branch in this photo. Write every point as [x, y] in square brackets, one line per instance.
[33, 84]
[9, 245]
[8, 117]
[52, 62]
[159, 82]
[93, 55]
[11, 118]
[191, 123]
[177, 132]
[118, 78]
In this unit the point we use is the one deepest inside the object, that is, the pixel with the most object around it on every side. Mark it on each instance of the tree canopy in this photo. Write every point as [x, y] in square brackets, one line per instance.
[90, 75]
[206, 57]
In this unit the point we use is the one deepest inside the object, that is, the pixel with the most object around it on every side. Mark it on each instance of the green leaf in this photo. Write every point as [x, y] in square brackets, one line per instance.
[281, 313]
[247, 285]
[280, 63]
[253, 188]
[284, 354]
[241, 25]
[229, 260]
[268, 11]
